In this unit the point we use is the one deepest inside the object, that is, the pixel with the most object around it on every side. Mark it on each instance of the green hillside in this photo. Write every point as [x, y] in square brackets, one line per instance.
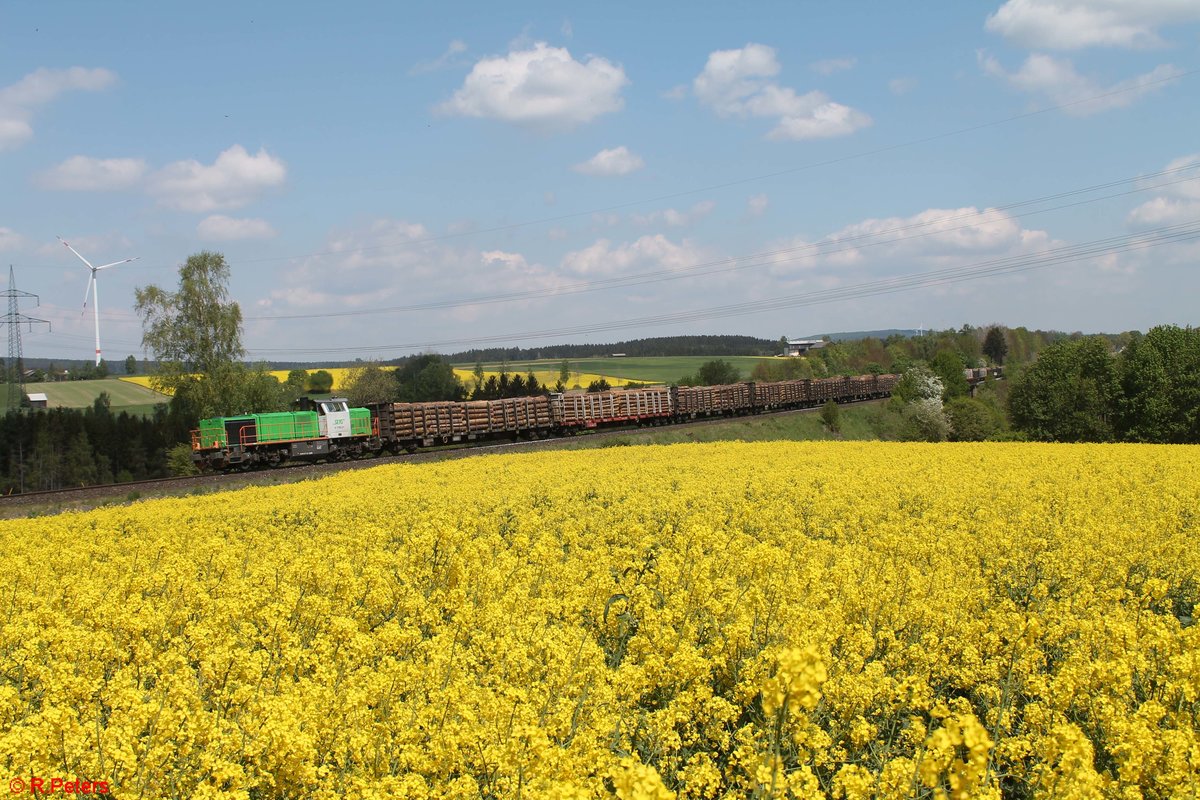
[123, 395]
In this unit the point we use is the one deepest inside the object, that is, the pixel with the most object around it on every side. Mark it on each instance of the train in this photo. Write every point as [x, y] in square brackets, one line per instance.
[331, 430]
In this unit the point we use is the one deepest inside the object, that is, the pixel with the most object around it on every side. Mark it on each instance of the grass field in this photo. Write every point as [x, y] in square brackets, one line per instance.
[642, 370]
[123, 395]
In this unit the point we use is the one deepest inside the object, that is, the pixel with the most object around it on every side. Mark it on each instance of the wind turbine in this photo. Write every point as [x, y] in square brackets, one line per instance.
[92, 290]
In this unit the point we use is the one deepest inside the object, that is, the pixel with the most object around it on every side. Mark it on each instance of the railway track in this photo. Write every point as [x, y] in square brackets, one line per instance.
[89, 496]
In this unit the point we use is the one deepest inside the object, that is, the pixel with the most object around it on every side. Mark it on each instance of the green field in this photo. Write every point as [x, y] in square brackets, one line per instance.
[646, 370]
[123, 396]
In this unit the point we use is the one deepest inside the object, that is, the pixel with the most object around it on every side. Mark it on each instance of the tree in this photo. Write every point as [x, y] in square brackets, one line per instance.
[918, 383]
[319, 382]
[948, 366]
[831, 416]
[478, 375]
[195, 334]
[717, 373]
[130, 365]
[1068, 394]
[370, 384]
[293, 387]
[429, 377]
[1159, 375]
[599, 385]
[995, 345]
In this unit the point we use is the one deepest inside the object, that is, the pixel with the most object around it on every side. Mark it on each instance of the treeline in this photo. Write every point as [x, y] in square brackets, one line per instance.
[715, 346]
[65, 447]
[1083, 391]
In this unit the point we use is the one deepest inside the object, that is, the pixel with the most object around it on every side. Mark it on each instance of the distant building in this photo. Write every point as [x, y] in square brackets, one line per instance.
[617, 355]
[800, 347]
[38, 400]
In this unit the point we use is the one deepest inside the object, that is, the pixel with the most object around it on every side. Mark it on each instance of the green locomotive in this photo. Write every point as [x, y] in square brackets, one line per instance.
[318, 429]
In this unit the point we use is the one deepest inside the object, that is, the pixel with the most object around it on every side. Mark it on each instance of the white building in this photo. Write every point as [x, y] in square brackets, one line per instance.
[800, 347]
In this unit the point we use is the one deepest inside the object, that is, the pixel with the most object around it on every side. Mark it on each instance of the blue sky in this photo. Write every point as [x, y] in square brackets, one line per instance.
[372, 172]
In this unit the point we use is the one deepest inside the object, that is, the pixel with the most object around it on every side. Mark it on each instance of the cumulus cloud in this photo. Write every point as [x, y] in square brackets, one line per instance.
[739, 83]
[936, 237]
[221, 228]
[233, 180]
[829, 66]
[19, 100]
[1176, 203]
[84, 174]
[541, 87]
[393, 262]
[1075, 24]
[756, 205]
[1057, 80]
[617, 161]
[602, 259]
[674, 217]
[900, 86]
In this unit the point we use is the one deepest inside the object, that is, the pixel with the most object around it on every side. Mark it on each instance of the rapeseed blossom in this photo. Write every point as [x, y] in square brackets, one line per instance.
[695, 621]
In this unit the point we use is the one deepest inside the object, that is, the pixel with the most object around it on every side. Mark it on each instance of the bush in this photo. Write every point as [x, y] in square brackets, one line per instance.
[971, 420]
[179, 460]
[831, 415]
[925, 421]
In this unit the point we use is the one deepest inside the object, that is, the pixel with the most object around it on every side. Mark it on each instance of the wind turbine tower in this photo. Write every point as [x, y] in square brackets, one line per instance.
[92, 290]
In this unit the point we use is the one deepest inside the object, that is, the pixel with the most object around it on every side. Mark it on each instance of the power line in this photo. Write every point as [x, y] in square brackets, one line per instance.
[825, 247]
[1050, 257]
[737, 263]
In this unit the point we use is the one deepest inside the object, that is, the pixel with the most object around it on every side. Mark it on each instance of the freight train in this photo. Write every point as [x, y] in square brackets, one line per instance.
[330, 430]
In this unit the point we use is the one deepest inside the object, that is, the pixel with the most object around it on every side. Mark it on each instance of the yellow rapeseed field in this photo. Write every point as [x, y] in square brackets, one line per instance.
[340, 376]
[549, 378]
[696, 621]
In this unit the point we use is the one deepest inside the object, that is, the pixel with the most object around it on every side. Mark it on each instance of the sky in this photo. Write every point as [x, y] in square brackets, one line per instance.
[391, 178]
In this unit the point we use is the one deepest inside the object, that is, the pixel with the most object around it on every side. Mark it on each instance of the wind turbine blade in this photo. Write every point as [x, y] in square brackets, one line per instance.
[88, 293]
[113, 264]
[76, 252]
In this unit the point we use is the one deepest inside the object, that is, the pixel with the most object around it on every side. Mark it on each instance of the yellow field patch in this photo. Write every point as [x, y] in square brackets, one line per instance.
[578, 380]
[340, 375]
[734, 620]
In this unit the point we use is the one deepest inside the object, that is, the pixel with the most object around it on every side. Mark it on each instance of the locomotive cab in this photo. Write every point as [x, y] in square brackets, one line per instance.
[333, 418]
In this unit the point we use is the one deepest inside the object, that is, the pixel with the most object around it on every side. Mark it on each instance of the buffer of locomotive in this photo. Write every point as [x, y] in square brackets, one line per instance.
[331, 430]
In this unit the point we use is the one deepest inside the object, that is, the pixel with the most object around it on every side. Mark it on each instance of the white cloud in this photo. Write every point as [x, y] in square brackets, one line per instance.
[446, 60]
[674, 217]
[1177, 202]
[221, 228]
[233, 180]
[1164, 211]
[899, 86]
[10, 239]
[756, 205]
[647, 253]
[936, 237]
[84, 174]
[394, 262]
[19, 100]
[1058, 81]
[541, 87]
[829, 66]
[616, 161]
[737, 83]
[1075, 24]
[676, 92]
